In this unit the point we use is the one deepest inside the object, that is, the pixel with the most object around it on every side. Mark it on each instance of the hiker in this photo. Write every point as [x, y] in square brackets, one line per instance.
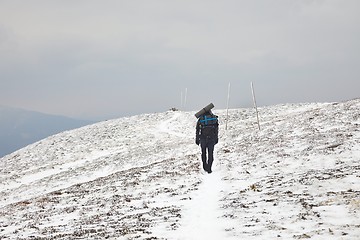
[207, 129]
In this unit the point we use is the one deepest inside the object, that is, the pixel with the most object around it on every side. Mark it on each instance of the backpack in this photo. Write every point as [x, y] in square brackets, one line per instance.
[208, 120]
[208, 125]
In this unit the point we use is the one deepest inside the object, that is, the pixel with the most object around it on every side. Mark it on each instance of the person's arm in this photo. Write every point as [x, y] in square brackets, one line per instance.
[197, 137]
[217, 133]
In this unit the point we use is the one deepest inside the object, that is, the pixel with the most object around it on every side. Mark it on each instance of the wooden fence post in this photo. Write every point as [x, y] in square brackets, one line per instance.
[254, 99]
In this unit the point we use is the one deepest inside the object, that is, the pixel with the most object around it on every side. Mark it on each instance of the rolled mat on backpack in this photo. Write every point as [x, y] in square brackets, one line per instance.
[204, 110]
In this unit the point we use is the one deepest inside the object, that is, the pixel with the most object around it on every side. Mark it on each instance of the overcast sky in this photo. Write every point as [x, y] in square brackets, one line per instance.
[98, 59]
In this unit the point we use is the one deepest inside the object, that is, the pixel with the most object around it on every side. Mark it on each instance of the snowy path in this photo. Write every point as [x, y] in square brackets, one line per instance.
[202, 217]
[202, 212]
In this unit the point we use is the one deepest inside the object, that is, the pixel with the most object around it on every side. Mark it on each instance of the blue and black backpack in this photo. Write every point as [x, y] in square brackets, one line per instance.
[208, 125]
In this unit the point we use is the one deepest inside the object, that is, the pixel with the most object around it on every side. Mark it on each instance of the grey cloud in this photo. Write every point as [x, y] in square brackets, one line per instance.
[98, 59]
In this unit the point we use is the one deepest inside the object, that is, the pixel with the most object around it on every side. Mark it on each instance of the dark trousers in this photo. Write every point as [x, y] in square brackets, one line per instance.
[207, 145]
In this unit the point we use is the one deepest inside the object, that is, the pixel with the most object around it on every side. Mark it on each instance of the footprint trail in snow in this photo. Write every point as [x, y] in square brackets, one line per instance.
[201, 214]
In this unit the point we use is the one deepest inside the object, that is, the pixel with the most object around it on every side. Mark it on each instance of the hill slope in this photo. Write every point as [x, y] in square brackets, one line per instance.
[140, 178]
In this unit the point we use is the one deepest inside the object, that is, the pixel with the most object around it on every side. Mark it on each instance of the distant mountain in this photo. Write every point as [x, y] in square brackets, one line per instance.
[19, 128]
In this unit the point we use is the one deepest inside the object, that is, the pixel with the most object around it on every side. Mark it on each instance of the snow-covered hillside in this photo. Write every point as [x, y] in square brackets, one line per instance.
[140, 178]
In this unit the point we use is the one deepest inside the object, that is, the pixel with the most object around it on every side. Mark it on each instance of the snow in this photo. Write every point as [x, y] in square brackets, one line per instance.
[140, 177]
[203, 212]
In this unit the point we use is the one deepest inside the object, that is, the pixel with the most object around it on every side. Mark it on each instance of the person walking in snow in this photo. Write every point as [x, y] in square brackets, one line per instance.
[207, 129]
